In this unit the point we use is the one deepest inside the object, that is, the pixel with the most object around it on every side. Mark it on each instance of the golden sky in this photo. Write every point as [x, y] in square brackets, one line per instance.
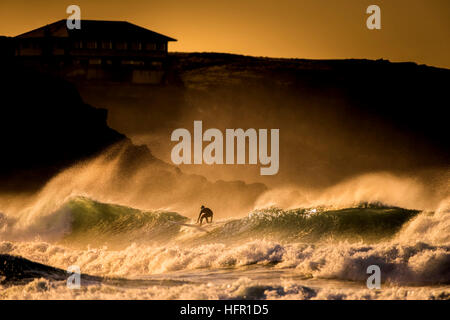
[412, 30]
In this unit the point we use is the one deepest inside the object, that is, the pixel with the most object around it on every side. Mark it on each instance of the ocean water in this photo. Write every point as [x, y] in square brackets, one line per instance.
[304, 253]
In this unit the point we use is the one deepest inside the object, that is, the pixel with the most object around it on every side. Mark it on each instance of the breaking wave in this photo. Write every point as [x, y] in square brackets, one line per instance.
[82, 221]
[112, 241]
[369, 222]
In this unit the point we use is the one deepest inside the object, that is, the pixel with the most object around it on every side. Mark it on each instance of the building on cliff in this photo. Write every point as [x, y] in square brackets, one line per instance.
[103, 50]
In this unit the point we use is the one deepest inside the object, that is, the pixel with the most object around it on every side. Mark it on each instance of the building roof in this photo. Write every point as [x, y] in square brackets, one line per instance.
[96, 29]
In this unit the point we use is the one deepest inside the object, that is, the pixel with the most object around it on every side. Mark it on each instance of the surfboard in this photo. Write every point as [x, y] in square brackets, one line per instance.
[198, 227]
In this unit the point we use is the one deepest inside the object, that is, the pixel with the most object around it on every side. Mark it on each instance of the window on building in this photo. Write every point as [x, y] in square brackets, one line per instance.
[29, 44]
[95, 61]
[106, 44]
[78, 44]
[136, 46]
[34, 44]
[133, 62]
[121, 45]
[25, 44]
[150, 46]
[59, 44]
[161, 47]
[91, 44]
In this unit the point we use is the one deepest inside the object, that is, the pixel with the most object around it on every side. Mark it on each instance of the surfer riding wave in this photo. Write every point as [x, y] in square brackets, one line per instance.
[205, 213]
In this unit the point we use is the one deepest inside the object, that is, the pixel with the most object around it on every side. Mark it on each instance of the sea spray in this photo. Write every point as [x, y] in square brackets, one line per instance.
[82, 221]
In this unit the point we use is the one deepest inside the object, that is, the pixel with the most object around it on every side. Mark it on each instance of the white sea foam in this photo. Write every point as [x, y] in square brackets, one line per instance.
[414, 261]
[242, 288]
[418, 263]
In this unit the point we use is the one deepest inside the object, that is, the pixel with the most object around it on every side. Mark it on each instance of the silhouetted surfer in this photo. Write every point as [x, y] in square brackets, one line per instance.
[205, 213]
